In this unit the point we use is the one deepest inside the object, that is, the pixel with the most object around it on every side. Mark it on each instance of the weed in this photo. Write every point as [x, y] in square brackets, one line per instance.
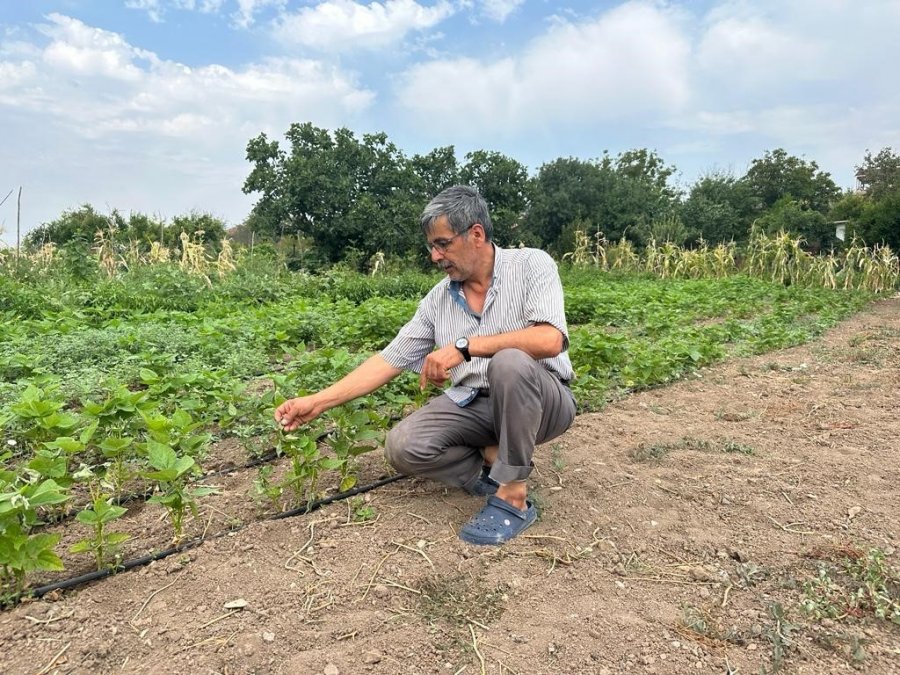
[780, 637]
[458, 601]
[557, 461]
[853, 582]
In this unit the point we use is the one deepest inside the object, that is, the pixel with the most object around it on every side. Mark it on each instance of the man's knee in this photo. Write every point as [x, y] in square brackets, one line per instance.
[396, 448]
[509, 363]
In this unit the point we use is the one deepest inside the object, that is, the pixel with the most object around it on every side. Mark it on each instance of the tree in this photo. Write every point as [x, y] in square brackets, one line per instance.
[564, 191]
[503, 182]
[793, 216]
[777, 175]
[879, 175]
[76, 225]
[435, 171]
[719, 207]
[349, 196]
[212, 229]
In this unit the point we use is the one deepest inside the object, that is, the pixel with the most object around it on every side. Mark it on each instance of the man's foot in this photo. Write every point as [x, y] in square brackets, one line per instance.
[485, 486]
[497, 523]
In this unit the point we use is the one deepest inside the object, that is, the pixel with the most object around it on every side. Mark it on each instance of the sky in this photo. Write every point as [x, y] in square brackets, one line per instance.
[147, 105]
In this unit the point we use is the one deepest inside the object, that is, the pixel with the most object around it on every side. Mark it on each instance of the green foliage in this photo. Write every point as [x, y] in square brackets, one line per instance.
[171, 473]
[103, 544]
[777, 175]
[854, 583]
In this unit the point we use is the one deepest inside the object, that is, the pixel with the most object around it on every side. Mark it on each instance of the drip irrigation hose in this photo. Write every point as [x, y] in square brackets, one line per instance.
[97, 575]
[144, 495]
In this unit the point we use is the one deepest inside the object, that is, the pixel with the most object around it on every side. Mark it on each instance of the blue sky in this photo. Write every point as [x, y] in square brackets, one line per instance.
[147, 105]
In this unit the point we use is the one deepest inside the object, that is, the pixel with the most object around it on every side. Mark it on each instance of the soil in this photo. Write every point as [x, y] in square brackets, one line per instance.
[680, 530]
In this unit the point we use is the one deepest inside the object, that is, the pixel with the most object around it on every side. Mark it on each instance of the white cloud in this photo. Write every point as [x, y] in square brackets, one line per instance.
[93, 118]
[344, 25]
[499, 10]
[628, 61]
[247, 10]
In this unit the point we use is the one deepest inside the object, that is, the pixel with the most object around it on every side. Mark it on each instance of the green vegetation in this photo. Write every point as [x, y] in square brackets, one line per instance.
[117, 374]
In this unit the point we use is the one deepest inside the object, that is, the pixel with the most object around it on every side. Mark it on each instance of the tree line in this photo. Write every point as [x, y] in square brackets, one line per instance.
[336, 196]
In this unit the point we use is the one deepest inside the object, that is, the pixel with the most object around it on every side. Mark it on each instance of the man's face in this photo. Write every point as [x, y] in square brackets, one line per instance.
[452, 252]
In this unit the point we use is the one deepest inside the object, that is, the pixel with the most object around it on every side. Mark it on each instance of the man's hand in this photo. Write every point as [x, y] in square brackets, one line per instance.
[297, 411]
[438, 364]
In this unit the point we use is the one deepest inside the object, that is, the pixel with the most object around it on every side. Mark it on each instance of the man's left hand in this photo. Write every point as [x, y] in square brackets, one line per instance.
[438, 364]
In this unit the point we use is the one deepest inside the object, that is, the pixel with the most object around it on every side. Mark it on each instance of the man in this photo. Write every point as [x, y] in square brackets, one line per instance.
[499, 328]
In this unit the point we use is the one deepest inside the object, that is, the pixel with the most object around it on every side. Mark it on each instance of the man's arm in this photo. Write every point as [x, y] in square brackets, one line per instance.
[540, 341]
[366, 378]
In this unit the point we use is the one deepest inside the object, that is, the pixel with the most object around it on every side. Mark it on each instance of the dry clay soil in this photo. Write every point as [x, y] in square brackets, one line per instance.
[678, 528]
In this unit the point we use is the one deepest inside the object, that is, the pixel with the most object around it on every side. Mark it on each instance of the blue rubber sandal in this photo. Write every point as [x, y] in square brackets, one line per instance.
[485, 486]
[497, 523]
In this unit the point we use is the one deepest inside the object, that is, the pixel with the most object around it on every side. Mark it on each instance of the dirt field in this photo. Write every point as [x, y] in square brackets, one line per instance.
[678, 528]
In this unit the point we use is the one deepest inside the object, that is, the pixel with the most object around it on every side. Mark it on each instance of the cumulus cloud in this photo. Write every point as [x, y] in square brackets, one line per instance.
[104, 121]
[630, 60]
[499, 10]
[133, 89]
[344, 25]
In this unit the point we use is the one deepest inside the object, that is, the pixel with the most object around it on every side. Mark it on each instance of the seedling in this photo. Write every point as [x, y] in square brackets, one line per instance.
[171, 475]
[103, 545]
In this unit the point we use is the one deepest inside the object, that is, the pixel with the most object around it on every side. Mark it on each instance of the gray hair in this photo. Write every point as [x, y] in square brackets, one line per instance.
[463, 207]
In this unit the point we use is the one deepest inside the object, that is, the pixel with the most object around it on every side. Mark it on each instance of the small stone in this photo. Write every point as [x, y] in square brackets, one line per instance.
[381, 590]
[704, 592]
[332, 669]
[739, 555]
[372, 658]
[240, 603]
[853, 511]
[752, 647]
[268, 637]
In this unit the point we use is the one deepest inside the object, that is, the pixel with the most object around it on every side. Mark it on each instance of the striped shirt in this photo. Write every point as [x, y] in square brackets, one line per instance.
[525, 290]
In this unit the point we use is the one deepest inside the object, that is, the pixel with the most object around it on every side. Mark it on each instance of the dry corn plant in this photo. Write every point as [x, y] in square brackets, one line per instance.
[724, 261]
[225, 261]
[823, 271]
[104, 247]
[193, 255]
[580, 256]
[622, 256]
[133, 256]
[880, 269]
[158, 253]
[779, 259]
[377, 263]
[44, 256]
[600, 245]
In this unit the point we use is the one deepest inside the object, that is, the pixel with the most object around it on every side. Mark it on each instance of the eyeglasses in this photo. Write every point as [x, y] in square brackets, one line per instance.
[441, 245]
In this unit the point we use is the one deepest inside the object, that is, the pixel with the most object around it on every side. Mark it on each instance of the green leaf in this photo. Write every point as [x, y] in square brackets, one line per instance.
[116, 538]
[331, 463]
[88, 517]
[66, 444]
[148, 376]
[348, 483]
[83, 546]
[160, 456]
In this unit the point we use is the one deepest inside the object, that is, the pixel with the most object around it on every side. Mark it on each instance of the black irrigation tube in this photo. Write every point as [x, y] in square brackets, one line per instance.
[73, 582]
[144, 495]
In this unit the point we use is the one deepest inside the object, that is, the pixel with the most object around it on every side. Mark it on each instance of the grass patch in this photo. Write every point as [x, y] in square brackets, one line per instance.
[458, 601]
[656, 451]
[852, 582]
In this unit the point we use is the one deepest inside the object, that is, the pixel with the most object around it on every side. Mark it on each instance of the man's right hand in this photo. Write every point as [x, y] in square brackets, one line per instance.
[297, 411]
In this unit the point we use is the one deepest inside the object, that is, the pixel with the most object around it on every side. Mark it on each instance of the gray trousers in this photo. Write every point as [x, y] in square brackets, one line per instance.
[527, 405]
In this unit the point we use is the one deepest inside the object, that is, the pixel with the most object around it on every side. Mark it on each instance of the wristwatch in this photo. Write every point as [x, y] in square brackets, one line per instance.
[462, 344]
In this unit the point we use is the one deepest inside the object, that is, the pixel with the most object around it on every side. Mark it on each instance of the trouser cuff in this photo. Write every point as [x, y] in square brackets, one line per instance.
[503, 473]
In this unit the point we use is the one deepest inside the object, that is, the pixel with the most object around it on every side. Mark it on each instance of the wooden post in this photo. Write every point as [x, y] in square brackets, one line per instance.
[18, 222]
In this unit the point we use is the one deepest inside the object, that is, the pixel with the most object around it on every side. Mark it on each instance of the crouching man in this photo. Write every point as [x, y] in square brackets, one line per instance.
[495, 328]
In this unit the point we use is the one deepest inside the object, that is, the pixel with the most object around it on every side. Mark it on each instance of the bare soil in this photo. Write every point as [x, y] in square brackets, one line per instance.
[678, 528]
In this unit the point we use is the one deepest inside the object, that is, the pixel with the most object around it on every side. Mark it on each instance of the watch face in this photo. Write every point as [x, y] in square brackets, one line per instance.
[462, 343]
